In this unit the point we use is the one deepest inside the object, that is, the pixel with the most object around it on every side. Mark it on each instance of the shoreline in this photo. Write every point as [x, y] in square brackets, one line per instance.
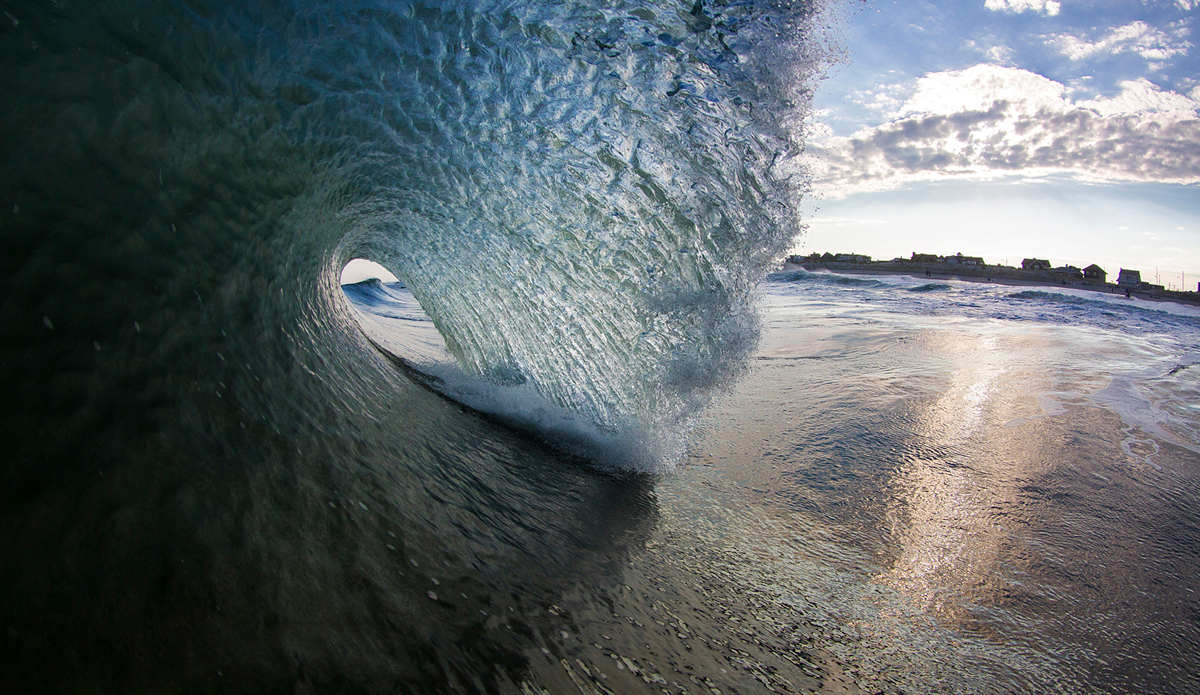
[1112, 290]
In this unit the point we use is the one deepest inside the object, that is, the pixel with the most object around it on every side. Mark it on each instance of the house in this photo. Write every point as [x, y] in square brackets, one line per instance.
[965, 260]
[1067, 272]
[926, 258]
[852, 258]
[1035, 264]
[1094, 273]
[1129, 278]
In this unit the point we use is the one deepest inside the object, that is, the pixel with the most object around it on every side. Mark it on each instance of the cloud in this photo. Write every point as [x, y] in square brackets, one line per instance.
[1000, 54]
[877, 102]
[993, 50]
[1139, 38]
[990, 121]
[1187, 5]
[1048, 7]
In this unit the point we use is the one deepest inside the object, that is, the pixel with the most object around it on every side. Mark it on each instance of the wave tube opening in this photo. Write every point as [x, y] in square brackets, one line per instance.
[396, 325]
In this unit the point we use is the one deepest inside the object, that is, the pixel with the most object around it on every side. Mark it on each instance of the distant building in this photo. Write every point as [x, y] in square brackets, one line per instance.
[1095, 273]
[965, 260]
[1067, 272]
[1035, 264]
[926, 258]
[852, 258]
[1129, 278]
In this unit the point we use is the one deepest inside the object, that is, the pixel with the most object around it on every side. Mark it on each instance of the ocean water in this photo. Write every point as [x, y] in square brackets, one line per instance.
[586, 447]
[919, 487]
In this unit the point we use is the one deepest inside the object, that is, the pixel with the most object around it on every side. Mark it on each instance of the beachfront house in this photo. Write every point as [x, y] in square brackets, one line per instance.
[1095, 273]
[1066, 272]
[1129, 278]
[926, 258]
[852, 258]
[960, 259]
[1035, 264]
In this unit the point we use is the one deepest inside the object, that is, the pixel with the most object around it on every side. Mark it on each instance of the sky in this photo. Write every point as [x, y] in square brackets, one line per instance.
[1060, 129]
[361, 269]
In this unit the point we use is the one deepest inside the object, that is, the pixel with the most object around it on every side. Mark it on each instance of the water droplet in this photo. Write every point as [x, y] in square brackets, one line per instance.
[46, 320]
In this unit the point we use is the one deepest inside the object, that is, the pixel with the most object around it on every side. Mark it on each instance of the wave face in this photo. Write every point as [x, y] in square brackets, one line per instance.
[581, 197]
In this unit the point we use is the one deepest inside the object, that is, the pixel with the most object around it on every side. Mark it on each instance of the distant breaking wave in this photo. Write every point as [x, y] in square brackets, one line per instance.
[930, 287]
[804, 276]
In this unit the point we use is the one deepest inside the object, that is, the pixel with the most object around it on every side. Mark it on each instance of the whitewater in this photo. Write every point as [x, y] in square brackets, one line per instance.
[591, 441]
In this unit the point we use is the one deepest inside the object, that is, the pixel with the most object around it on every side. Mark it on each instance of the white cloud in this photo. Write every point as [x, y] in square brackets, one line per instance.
[1138, 37]
[990, 121]
[879, 101]
[978, 88]
[994, 51]
[1001, 54]
[1048, 7]
[1186, 5]
[1142, 97]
